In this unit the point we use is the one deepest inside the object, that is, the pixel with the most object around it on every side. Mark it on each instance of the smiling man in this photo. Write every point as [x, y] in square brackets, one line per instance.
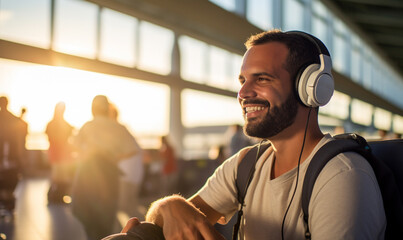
[285, 77]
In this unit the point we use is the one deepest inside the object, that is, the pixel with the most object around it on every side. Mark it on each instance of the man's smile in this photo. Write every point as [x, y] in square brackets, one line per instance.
[253, 108]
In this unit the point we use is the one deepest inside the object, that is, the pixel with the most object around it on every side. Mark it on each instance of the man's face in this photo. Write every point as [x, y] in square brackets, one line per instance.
[268, 103]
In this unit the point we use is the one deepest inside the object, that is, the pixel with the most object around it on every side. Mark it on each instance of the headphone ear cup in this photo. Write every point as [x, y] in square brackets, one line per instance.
[305, 78]
[315, 86]
[322, 90]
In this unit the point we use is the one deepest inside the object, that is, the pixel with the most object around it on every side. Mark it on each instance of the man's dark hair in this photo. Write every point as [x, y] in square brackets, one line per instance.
[302, 51]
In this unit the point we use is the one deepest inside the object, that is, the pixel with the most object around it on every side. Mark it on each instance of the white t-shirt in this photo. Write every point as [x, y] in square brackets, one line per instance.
[346, 202]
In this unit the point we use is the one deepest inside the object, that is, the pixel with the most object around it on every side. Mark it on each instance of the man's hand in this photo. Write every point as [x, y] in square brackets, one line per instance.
[180, 219]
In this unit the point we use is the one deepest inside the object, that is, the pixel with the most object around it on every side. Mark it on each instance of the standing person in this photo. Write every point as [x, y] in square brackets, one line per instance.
[101, 143]
[13, 132]
[59, 133]
[169, 167]
[238, 140]
[132, 169]
[284, 77]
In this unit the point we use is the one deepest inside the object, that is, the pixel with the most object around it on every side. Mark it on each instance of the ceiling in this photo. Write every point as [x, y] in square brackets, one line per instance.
[379, 20]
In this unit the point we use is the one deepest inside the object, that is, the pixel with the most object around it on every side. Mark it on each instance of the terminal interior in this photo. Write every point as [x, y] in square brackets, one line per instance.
[171, 68]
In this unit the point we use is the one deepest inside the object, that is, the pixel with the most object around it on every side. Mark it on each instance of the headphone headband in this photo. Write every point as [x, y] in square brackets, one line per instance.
[315, 84]
[322, 49]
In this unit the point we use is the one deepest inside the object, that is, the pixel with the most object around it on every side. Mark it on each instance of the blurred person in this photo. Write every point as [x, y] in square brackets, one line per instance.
[339, 130]
[13, 131]
[59, 133]
[132, 169]
[23, 132]
[169, 166]
[238, 140]
[101, 143]
[278, 106]
[218, 154]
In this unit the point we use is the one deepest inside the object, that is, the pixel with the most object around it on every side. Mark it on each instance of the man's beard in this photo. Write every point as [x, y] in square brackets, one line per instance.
[276, 120]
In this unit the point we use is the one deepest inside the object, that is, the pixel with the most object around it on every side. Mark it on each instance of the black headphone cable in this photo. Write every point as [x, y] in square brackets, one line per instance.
[296, 182]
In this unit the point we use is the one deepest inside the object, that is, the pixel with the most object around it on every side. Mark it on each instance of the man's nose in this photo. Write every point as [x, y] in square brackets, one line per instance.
[247, 90]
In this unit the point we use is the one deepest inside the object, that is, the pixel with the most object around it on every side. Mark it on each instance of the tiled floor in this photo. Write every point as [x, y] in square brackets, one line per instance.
[34, 220]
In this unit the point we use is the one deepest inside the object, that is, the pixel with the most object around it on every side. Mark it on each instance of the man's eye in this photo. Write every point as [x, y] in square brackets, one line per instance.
[262, 79]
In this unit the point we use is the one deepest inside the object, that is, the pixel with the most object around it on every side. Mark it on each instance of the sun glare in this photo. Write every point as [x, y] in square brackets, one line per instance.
[39, 88]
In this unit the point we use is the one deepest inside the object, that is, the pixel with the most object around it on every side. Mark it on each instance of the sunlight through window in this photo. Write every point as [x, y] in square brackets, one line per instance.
[38, 88]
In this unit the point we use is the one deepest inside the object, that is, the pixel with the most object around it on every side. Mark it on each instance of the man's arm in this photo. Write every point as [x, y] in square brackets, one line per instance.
[183, 219]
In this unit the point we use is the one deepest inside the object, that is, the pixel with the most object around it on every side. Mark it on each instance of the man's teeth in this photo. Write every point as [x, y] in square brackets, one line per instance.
[253, 109]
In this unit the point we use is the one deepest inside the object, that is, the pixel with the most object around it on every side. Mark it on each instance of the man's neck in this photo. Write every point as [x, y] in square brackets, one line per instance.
[288, 144]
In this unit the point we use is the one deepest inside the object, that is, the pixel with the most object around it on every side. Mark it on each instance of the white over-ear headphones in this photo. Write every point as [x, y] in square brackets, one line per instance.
[314, 83]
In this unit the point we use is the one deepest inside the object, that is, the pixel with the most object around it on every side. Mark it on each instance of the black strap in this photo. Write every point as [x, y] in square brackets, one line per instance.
[246, 169]
[341, 143]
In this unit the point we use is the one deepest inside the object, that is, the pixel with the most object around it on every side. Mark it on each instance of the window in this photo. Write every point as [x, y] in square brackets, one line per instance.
[367, 71]
[76, 35]
[382, 119]
[259, 13]
[319, 22]
[17, 18]
[155, 48]
[356, 59]
[397, 124]
[219, 64]
[340, 47]
[236, 64]
[118, 38]
[293, 15]
[229, 5]
[205, 109]
[48, 85]
[361, 112]
[193, 59]
[338, 106]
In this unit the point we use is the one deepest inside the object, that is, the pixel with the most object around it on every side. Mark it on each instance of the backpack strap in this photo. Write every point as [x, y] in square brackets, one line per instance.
[341, 143]
[246, 169]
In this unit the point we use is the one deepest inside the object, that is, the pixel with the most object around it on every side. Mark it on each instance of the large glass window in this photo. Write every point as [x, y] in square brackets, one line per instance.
[76, 28]
[206, 109]
[229, 5]
[338, 106]
[155, 48]
[26, 22]
[193, 56]
[260, 13]
[44, 86]
[361, 112]
[356, 59]
[207, 64]
[382, 119]
[235, 70]
[340, 46]
[367, 71]
[118, 38]
[293, 15]
[398, 124]
[219, 65]
[319, 21]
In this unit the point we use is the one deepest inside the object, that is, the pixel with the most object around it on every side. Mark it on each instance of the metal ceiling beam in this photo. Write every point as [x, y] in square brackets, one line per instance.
[388, 39]
[386, 3]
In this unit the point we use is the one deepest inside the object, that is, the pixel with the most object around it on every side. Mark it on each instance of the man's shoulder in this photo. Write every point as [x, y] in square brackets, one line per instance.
[346, 159]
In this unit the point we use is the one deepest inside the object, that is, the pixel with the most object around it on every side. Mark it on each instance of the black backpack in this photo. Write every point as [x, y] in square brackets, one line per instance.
[385, 157]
